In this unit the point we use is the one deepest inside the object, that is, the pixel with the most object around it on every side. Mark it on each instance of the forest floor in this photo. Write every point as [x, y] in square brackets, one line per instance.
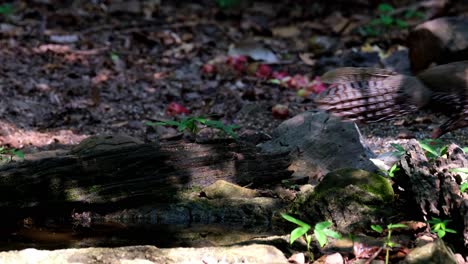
[71, 69]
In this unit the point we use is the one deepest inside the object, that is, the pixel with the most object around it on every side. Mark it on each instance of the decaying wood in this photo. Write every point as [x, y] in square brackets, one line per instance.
[135, 173]
[433, 186]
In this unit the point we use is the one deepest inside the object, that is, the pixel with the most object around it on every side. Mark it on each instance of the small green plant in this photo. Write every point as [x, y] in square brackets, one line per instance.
[399, 150]
[439, 227]
[433, 148]
[388, 243]
[6, 9]
[464, 187]
[114, 56]
[392, 170]
[321, 232]
[227, 3]
[462, 170]
[387, 20]
[7, 154]
[191, 124]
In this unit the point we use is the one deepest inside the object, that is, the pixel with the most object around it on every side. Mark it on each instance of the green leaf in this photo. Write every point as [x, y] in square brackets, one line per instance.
[440, 233]
[435, 220]
[181, 126]
[464, 187]
[443, 151]
[465, 149]
[399, 150]
[392, 170]
[430, 148]
[322, 225]
[414, 14]
[392, 244]
[321, 237]
[297, 233]
[228, 129]
[393, 226]
[369, 31]
[201, 120]
[214, 124]
[385, 8]
[18, 153]
[464, 170]
[386, 20]
[225, 4]
[190, 124]
[295, 221]
[437, 227]
[400, 23]
[163, 123]
[398, 147]
[6, 9]
[114, 56]
[331, 233]
[450, 230]
[377, 228]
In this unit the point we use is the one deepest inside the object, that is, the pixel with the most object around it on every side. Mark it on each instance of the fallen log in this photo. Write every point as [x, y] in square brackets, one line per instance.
[134, 174]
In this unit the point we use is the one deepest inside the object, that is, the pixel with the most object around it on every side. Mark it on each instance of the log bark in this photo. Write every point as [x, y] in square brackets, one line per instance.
[135, 174]
[433, 186]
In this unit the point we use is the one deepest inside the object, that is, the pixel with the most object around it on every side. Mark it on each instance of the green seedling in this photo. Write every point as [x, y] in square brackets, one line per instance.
[439, 227]
[114, 56]
[321, 232]
[227, 3]
[392, 170]
[388, 243]
[387, 20]
[462, 170]
[399, 150]
[289, 184]
[463, 187]
[7, 154]
[191, 124]
[433, 148]
[6, 9]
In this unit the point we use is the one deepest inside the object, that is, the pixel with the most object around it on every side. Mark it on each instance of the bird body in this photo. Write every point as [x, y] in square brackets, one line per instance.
[372, 95]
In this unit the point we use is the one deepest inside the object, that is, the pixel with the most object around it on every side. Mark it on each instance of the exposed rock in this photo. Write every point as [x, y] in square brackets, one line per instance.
[298, 258]
[432, 253]
[320, 143]
[441, 40]
[146, 254]
[334, 259]
[352, 198]
[224, 189]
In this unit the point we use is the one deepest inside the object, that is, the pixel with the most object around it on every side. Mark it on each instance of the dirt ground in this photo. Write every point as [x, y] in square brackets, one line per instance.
[71, 69]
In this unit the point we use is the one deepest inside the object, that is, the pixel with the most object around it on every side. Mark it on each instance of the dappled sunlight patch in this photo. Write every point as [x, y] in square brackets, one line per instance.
[20, 138]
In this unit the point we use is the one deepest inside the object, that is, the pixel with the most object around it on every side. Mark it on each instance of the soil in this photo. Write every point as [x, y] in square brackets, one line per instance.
[71, 69]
